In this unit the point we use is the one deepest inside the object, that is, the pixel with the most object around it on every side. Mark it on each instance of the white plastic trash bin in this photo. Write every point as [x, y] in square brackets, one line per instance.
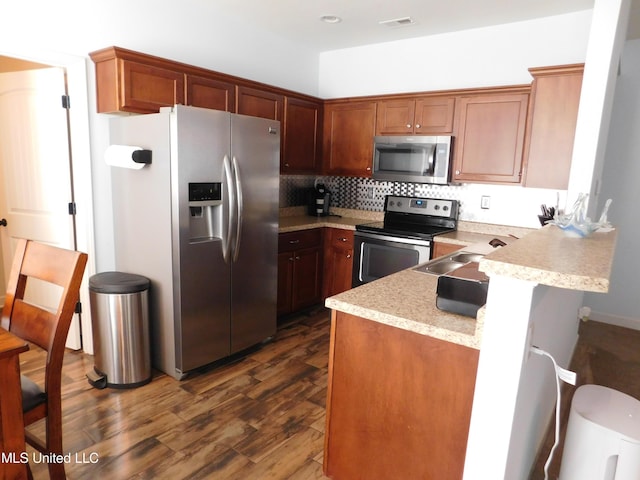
[120, 321]
[603, 436]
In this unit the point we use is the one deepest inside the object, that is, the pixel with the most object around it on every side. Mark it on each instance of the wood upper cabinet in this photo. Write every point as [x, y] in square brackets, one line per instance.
[338, 261]
[553, 113]
[348, 131]
[259, 103]
[420, 116]
[128, 85]
[490, 137]
[211, 93]
[301, 136]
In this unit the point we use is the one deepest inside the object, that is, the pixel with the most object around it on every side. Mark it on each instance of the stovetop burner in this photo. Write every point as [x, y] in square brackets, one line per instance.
[415, 217]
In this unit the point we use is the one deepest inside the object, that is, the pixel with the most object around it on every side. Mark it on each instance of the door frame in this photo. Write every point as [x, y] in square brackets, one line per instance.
[80, 149]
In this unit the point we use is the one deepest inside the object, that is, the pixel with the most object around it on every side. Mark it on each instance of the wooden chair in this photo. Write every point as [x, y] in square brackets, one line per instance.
[47, 329]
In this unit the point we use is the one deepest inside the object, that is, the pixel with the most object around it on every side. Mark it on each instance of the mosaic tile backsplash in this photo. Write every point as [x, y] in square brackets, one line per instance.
[508, 205]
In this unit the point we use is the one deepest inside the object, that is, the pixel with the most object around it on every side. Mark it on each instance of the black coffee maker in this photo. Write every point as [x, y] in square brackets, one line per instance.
[319, 201]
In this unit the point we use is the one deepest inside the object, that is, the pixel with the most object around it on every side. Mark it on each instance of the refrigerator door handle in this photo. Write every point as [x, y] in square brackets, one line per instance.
[239, 202]
[230, 207]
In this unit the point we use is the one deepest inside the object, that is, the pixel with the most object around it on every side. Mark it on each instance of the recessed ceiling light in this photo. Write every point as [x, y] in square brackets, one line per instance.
[330, 19]
[398, 22]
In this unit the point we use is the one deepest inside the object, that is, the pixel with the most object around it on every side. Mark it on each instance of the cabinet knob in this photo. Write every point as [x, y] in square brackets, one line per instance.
[286, 164]
[291, 259]
[408, 125]
[418, 125]
[457, 172]
[342, 239]
[297, 257]
[294, 241]
[368, 169]
[348, 255]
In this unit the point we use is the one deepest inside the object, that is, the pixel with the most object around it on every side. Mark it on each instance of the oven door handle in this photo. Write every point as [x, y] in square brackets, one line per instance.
[388, 238]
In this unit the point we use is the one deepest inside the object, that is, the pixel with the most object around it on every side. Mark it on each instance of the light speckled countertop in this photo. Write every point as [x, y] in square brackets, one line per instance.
[548, 257]
[407, 299]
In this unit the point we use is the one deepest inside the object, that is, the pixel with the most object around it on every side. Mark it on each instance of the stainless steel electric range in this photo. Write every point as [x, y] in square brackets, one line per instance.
[403, 239]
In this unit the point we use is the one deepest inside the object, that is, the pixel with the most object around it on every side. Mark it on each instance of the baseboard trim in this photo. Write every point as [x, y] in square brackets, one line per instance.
[620, 321]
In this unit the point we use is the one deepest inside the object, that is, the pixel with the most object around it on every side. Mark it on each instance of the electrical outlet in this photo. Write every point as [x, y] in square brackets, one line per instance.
[370, 192]
[485, 202]
[529, 342]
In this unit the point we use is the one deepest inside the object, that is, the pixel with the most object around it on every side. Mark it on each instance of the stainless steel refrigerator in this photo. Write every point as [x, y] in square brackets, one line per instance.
[201, 222]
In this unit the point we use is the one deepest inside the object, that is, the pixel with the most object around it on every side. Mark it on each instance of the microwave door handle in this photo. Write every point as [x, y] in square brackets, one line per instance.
[432, 158]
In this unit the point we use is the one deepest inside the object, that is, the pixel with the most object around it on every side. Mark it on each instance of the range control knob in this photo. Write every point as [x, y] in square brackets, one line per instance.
[437, 207]
[445, 208]
[399, 203]
[391, 203]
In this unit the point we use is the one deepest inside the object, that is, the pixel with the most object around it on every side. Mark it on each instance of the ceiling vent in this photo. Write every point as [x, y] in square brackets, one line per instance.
[398, 22]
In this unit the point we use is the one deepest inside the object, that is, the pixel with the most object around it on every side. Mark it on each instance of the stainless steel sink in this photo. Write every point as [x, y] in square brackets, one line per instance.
[465, 257]
[449, 263]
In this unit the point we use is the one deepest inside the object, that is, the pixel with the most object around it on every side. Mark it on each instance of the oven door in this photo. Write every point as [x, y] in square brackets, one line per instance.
[378, 255]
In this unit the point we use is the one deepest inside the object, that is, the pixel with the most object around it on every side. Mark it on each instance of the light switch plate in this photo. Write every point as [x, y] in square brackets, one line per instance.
[485, 202]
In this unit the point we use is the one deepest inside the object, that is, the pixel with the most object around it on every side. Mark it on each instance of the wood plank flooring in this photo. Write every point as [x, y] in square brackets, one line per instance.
[261, 417]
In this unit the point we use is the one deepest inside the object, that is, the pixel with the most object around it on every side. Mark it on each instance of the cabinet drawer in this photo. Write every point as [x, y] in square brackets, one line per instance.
[302, 239]
[340, 238]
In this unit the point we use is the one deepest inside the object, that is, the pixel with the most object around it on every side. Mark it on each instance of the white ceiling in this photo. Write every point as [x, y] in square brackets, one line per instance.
[299, 20]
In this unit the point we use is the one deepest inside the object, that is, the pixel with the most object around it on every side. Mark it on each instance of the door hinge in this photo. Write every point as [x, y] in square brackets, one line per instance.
[78, 307]
[72, 208]
[66, 101]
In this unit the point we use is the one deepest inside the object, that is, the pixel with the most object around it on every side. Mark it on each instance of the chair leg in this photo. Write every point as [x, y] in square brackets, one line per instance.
[56, 471]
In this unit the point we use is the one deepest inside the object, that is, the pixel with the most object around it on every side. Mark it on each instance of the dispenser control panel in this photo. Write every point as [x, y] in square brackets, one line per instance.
[205, 192]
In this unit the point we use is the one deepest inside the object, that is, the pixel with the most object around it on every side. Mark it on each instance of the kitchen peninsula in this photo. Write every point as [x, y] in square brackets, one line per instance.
[413, 391]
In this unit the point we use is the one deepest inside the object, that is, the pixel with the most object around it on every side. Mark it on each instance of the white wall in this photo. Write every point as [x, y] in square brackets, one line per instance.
[491, 56]
[620, 183]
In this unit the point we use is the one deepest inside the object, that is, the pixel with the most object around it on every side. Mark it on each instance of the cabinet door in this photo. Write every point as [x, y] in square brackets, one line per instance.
[285, 281]
[307, 278]
[338, 261]
[259, 103]
[145, 88]
[490, 138]
[395, 117]
[434, 115]
[553, 114]
[301, 131]
[210, 93]
[348, 134]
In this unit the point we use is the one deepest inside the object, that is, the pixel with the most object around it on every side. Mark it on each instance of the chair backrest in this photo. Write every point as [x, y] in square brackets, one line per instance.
[45, 328]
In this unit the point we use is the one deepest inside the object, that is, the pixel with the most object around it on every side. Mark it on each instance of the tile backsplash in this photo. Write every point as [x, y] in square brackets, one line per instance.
[508, 205]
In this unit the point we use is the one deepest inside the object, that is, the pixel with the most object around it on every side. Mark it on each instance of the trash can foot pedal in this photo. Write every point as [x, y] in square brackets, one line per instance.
[97, 380]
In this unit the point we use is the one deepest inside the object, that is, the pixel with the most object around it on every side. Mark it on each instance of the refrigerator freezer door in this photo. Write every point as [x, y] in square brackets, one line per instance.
[200, 142]
[255, 145]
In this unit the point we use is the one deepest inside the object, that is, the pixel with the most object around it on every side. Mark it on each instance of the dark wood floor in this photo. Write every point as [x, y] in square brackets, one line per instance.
[261, 417]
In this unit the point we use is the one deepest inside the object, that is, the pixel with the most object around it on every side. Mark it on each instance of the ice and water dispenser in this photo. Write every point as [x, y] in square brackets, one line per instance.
[205, 211]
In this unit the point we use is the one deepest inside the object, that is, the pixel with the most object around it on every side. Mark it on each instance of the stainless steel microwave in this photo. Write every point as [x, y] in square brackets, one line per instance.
[417, 159]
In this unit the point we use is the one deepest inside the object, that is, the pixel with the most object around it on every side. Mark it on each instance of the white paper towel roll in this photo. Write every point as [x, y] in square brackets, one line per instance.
[122, 156]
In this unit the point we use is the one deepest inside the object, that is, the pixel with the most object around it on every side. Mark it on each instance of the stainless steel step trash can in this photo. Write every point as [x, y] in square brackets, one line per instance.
[120, 321]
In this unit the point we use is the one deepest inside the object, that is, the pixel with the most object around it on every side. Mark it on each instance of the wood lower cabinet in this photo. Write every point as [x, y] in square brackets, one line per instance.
[553, 114]
[299, 270]
[398, 403]
[302, 140]
[420, 116]
[440, 249]
[349, 128]
[490, 138]
[338, 261]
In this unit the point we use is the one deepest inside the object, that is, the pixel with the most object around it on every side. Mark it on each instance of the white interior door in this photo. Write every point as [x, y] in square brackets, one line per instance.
[35, 168]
